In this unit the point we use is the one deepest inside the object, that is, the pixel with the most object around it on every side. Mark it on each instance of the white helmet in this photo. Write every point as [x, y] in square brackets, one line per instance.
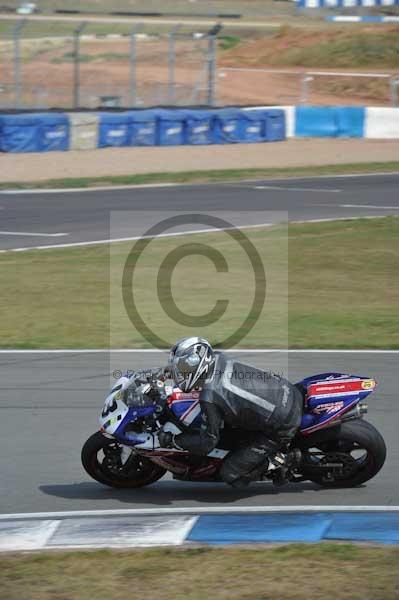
[190, 361]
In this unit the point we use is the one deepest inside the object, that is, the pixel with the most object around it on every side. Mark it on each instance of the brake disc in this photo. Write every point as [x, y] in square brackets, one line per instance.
[112, 459]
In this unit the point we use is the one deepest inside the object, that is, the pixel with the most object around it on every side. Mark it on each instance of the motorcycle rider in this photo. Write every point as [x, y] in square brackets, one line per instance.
[242, 396]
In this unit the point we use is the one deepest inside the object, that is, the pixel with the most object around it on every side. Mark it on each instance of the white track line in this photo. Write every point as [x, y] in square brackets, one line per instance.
[313, 177]
[106, 188]
[195, 510]
[295, 189]
[30, 233]
[137, 237]
[230, 350]
[182, 233]
[369, 206]
[100, 188]
[328, 220]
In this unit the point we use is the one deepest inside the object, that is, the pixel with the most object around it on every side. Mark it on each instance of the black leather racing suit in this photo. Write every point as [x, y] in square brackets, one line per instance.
[245, 398]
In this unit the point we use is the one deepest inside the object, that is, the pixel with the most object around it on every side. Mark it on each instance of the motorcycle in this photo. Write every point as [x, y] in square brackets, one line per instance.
[334, 447]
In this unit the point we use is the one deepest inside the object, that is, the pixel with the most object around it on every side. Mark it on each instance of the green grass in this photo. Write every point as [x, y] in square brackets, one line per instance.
[62, 28]
[40, 29]
[205, 176]
[68, 57]
[342, 290]
[226, 42]
[373, 50]
[343, 286]
[344, 572]
[249, 8]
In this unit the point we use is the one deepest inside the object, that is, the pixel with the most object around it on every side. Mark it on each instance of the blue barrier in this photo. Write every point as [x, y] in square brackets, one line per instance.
[42, 132]
[246, 126]
[199, 127]
[113, 129]
[253, 126]
[228, 126]
[171, 127]
[54, 132]
[263, 125]
[365, 19]
[314, 121]
[19, 133]
[350, 121]
[275, 125]
[329, 121]
[331, 4]
[143, 128]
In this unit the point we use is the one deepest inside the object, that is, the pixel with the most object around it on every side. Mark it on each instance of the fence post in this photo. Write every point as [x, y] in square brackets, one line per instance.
[393, 85]
[17, 61]
[133, 64]
[212, 63]
[171, 63]
[305, 80]
[76, 64]
[211, 71]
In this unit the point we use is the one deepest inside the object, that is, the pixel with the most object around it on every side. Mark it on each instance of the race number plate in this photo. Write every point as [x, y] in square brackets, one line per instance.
[113, 413]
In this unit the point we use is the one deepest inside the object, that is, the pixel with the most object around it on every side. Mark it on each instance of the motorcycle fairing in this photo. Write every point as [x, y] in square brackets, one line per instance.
[329, 395]
[115, 410]
[186, 407]
[116, 415]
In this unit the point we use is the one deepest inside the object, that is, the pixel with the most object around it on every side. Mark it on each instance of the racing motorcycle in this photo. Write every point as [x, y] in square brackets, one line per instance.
[334, 446]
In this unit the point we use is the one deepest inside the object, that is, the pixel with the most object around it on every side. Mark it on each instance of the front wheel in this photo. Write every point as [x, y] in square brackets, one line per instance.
[103, 459]
[346, 456]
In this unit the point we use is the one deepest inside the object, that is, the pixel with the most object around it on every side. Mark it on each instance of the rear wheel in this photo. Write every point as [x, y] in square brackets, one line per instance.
[347, 456]
[105, 461]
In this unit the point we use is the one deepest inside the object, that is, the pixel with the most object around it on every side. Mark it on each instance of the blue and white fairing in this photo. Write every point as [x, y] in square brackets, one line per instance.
[116, 415]
[330, 395]
[186, 407]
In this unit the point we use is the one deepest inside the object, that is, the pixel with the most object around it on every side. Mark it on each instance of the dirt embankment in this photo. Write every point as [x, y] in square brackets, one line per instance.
[298, 50]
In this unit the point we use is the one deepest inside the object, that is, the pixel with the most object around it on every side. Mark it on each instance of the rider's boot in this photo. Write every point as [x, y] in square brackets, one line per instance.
[285, 466]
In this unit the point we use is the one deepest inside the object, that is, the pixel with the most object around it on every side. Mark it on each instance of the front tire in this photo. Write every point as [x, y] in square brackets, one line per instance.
[359, 446]
[101, 459]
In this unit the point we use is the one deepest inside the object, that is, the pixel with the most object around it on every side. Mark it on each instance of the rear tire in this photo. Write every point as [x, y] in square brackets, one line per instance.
[137, 472]
[358, 434]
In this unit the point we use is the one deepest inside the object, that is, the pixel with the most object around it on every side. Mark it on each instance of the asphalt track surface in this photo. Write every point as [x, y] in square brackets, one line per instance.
[50, 404]
[32, 219]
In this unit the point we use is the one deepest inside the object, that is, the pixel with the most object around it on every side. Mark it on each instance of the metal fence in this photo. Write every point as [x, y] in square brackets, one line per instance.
[83, 70]
[70, 65]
